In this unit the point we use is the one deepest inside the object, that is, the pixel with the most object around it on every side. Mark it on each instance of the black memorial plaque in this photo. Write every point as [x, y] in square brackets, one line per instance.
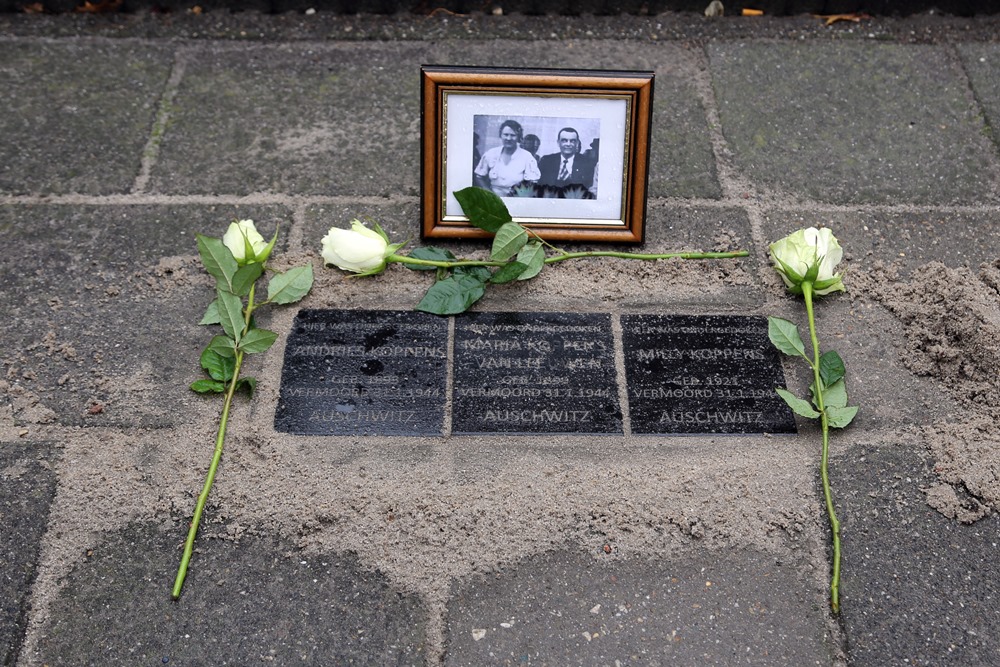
[534, 373]
[364, 372]
[703, 374]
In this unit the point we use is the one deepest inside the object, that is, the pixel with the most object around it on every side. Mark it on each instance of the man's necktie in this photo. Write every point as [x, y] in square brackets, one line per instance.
[564, 172]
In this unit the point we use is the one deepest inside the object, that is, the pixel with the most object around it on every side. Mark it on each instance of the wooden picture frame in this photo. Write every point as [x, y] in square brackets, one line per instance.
[469, 116]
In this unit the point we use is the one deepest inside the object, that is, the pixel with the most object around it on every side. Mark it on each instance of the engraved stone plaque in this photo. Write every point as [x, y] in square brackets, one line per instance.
[534, 373]
[364, 372]
[703, 374]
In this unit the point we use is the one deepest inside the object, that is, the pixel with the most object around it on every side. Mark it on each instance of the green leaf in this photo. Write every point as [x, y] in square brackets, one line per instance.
[432, 254]
[393, 248]
[840, 417]
[784, 335]
[266, 252]
[290, 286]
[208, 386]
[481, 273]
[835, 396]
[533, 257]
[797, 405]
[211, 315]
[790, 273]
[219, 367]
[508, 272]
[813, 271]
[245, 277]
[248, 383]
[374, 271]
[248, 253]
[453, 295]
[831, 368]
[257, 340]
[222, 345]
[381, 232]
[508, 241]
[483, 208]
[230, 314]
[218, 260]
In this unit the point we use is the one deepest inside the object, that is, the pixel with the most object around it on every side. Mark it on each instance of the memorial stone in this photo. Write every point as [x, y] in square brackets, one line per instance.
[534, 373]
[703, 374]
[365, 373]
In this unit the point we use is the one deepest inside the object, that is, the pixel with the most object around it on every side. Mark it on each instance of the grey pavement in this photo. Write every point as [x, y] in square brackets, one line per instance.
[123, 136]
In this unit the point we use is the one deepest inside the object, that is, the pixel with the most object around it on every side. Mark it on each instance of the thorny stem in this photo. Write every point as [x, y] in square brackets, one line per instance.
[807, 292]
[648, 257]
[216, 458]
[545, 243]
[403, 259]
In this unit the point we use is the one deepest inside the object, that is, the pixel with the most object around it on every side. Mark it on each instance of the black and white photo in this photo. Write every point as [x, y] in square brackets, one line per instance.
[566, 151]
[538, 156]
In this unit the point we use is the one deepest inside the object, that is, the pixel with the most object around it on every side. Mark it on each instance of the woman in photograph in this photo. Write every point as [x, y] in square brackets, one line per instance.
[506, 165]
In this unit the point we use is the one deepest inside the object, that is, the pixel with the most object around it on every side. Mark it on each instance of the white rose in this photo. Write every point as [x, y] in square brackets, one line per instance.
[809, 255]
[358, 249]
[240, 234]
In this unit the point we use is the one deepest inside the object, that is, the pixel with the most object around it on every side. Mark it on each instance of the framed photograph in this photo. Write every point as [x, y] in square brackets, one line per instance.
[566, 150]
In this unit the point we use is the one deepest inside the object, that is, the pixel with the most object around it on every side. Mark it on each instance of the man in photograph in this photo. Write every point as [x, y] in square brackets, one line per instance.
[567, 167]
[531, 144]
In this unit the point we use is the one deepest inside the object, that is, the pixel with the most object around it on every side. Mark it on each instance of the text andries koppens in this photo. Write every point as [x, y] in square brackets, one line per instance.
[364, 372]
[412, 351]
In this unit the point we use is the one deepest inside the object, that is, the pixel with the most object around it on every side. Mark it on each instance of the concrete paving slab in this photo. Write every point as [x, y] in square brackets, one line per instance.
[854, 123]
[868, 337]
[917, 588]
[299, 119]
[870, 341]
[27, 472]
[689, 27]
[982, 62]
[681, 160]
[76, 116]
[701, 607]
[681, 227]
[108, 299]
[256, 601]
